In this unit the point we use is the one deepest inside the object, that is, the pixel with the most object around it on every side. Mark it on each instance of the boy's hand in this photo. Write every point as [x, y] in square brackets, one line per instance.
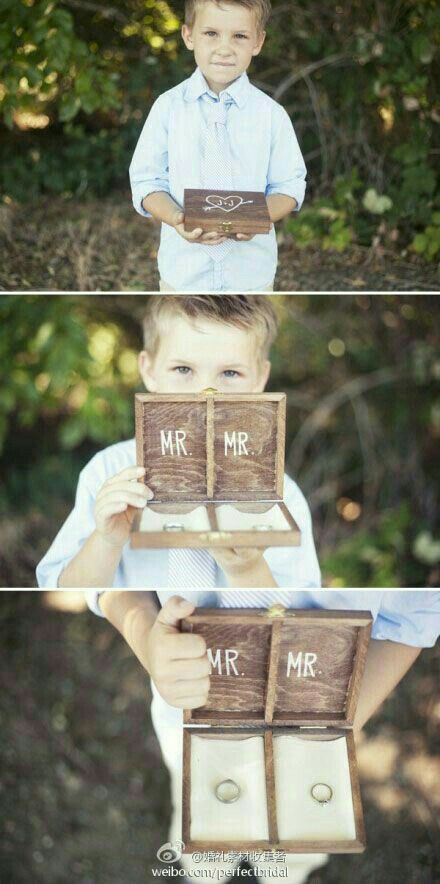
[177, 661]
[196, 235]
[117, 502]
[244, 566]
[245, 237]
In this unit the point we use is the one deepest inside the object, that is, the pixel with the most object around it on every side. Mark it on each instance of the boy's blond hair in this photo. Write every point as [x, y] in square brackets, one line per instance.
[252, 312]
[261, 8]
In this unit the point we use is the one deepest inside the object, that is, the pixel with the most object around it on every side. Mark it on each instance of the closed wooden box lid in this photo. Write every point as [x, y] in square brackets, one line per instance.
[281, 667]
[228, 211]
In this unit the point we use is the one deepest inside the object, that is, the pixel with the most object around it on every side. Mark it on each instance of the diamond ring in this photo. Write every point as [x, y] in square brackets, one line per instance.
[321, 793]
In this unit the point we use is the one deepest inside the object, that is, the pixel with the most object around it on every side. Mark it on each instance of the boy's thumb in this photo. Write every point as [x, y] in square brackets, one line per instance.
[174, 610]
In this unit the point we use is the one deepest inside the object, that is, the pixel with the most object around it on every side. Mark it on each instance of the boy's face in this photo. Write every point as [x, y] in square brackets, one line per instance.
[224, 39]
[193, 355]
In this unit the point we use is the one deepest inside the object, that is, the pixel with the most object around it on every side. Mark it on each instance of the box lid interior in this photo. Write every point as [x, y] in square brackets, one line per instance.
[300, 668]
[219, 447]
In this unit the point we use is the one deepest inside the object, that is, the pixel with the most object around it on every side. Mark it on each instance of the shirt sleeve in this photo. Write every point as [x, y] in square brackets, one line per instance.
[92, 597]
[287, 170]
[296, 566]
[78, 526]
[149, 166]
[410, 618]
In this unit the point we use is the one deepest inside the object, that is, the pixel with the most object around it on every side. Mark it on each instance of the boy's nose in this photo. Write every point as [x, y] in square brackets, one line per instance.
[225, 47]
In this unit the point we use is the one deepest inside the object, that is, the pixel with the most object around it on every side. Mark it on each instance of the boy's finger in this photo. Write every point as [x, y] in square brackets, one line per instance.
[194, 234]
[189, 702]
[126, 487]
[127, 474]
[184, 645]
[174, 610]
[192, 669]
[194, 687]
[116, 498]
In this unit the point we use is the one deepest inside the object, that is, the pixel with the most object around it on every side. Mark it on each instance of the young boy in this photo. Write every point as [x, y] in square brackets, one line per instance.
[190, 343]
[216, 130]
[178, 665]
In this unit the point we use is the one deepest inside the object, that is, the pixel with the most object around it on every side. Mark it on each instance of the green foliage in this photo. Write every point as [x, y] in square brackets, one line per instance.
[65, 369]
[428, 242]
[376, 556]
[357, 79]
[332, 223]
[81, 162]
[360, 375]
[44, 61]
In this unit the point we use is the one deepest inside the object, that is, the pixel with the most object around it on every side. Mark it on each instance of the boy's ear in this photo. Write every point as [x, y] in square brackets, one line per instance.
[187, 37]
[261, 38]
[145, 364]
[264, 375]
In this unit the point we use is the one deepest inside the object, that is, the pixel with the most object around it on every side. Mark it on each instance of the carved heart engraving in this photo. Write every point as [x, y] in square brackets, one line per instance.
[225, 203]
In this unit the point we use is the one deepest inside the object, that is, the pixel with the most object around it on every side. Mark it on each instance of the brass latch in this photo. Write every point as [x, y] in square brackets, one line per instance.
[276, 611]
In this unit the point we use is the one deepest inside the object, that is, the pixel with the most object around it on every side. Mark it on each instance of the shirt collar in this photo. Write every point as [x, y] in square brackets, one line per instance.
[197, 86]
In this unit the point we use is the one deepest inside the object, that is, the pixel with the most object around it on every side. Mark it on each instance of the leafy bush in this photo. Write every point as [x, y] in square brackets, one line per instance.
[357, 79]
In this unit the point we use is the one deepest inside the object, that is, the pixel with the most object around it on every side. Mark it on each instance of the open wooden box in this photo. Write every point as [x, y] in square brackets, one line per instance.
[216, 465]
[278, 720]
[228, 211]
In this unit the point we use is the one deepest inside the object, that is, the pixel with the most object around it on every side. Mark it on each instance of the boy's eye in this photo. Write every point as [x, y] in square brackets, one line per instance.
[182, 369]
[210, 33]
[231, 373]
[242, 36]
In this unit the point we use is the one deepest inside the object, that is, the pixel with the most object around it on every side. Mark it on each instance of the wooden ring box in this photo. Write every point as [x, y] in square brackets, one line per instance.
[226, 211]
[215, 463]
[278, 719]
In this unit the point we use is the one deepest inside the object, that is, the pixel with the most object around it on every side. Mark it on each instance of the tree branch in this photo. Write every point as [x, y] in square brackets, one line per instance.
[317, 420]
[307, 70]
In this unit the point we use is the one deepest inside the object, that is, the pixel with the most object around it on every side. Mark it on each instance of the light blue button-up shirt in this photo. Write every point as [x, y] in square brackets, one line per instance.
[148, 568]
[265, 157]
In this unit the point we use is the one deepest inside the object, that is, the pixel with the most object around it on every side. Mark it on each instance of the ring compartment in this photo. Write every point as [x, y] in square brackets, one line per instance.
[292, 679]
[275, 809]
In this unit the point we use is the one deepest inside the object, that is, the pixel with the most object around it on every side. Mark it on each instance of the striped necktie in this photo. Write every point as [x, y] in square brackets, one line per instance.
[263, 598]
[188, 568]
[216, 160]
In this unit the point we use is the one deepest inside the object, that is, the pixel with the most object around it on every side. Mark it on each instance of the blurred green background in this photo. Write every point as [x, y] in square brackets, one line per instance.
[77, 79]
[360, 373]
